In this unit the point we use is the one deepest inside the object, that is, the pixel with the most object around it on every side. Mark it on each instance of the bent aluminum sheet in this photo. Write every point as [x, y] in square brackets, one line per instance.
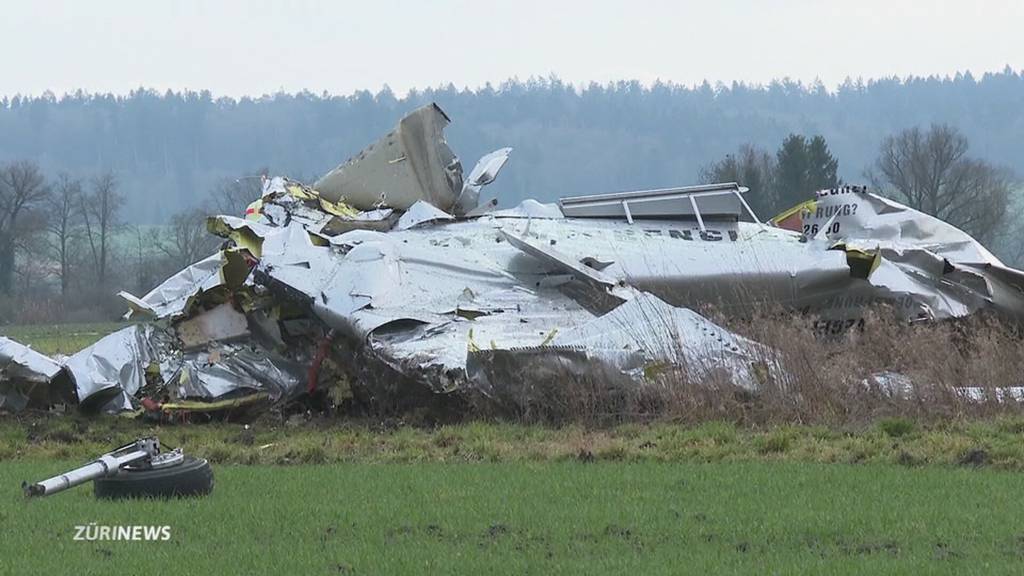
[485, 172]
[736, 266]
[419, 213]
[109, 373]
[424, 297]
[408, 164]
[172, 297]
[22, 372]
[220, 371]
[927, 269]
[678, 336]
[900, 385]
[930, 269]
[412, 162]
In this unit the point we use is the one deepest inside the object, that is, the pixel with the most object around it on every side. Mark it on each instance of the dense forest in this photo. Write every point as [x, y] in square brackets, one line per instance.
[169, 151]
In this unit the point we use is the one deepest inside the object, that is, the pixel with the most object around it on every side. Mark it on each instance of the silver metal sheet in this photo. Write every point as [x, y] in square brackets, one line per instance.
[865, 220]
[667, 334]
[422, 298]
[23, 371]
[929, 268]
[231, 369]
[21, 362]
[412, 162]
[114, 368]
[172, 297]
[485, 171]
[419, 213]
[409, 164]
[530, 208]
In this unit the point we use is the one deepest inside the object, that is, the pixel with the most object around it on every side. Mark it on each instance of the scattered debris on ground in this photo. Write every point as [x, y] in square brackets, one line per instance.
[389, 284]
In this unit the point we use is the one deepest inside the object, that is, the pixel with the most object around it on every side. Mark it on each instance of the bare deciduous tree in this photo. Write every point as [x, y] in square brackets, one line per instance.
[149, 264]
[100, 212]
[22, 186]
[31, 240]
[931, 172]
[187, 240]
[64, 215]
[232, 195]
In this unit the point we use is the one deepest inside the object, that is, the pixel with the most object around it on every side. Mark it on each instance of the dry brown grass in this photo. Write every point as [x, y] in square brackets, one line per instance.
[816, 380]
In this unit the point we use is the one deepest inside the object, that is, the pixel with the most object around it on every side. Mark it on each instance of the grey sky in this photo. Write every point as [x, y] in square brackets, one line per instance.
[235, 47]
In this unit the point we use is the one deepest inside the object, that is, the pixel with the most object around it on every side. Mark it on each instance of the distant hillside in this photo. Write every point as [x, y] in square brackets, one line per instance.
[169, 150]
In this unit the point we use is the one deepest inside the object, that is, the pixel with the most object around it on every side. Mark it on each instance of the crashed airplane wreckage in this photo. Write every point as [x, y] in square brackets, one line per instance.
[389, 278]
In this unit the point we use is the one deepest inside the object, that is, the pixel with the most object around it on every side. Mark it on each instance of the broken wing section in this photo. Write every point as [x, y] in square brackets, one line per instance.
[435, 302]
[410, 163]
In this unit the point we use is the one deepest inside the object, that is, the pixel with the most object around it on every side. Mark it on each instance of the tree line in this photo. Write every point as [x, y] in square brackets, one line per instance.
[169, 149]
[64, 243]
[103, 192]
[66, 248]
[929, 169]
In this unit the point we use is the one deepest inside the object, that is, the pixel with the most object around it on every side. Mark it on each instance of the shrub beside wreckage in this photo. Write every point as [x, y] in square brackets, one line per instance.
[389, 285]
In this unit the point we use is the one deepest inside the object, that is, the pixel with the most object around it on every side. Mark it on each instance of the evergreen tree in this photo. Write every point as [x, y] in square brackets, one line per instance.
[822, 168]
[804, 167]
[799, 168]
[791, 178]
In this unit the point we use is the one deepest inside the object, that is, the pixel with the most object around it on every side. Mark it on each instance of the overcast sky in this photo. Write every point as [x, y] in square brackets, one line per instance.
[250, 47]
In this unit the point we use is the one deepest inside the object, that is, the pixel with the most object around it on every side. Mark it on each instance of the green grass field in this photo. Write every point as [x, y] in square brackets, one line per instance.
[996, 444]
[569, 517]
[892, 496]
[60, 338]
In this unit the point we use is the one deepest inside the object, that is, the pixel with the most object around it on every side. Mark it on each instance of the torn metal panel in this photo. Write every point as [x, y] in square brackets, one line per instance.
[736, 266]
[114, 368]
[637, 340]
[173, 296]
[229, 370]
[21, 362]
[860, 217]
[929, 268]
[26, 376]
[666, 334]
[423, 298]
[601, 285]
[900, 385]
[419, 213]
[485, 171]
[411, 163]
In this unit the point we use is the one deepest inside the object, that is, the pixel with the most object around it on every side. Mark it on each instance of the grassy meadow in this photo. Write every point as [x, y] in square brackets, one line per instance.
[537, 518]
[65, 339]
[306, 495]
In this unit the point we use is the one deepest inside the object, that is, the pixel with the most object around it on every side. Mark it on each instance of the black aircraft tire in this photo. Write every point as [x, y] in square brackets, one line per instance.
[193, 477]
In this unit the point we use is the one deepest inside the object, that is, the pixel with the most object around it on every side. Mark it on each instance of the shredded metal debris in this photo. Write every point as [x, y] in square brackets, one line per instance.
[389, 277]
